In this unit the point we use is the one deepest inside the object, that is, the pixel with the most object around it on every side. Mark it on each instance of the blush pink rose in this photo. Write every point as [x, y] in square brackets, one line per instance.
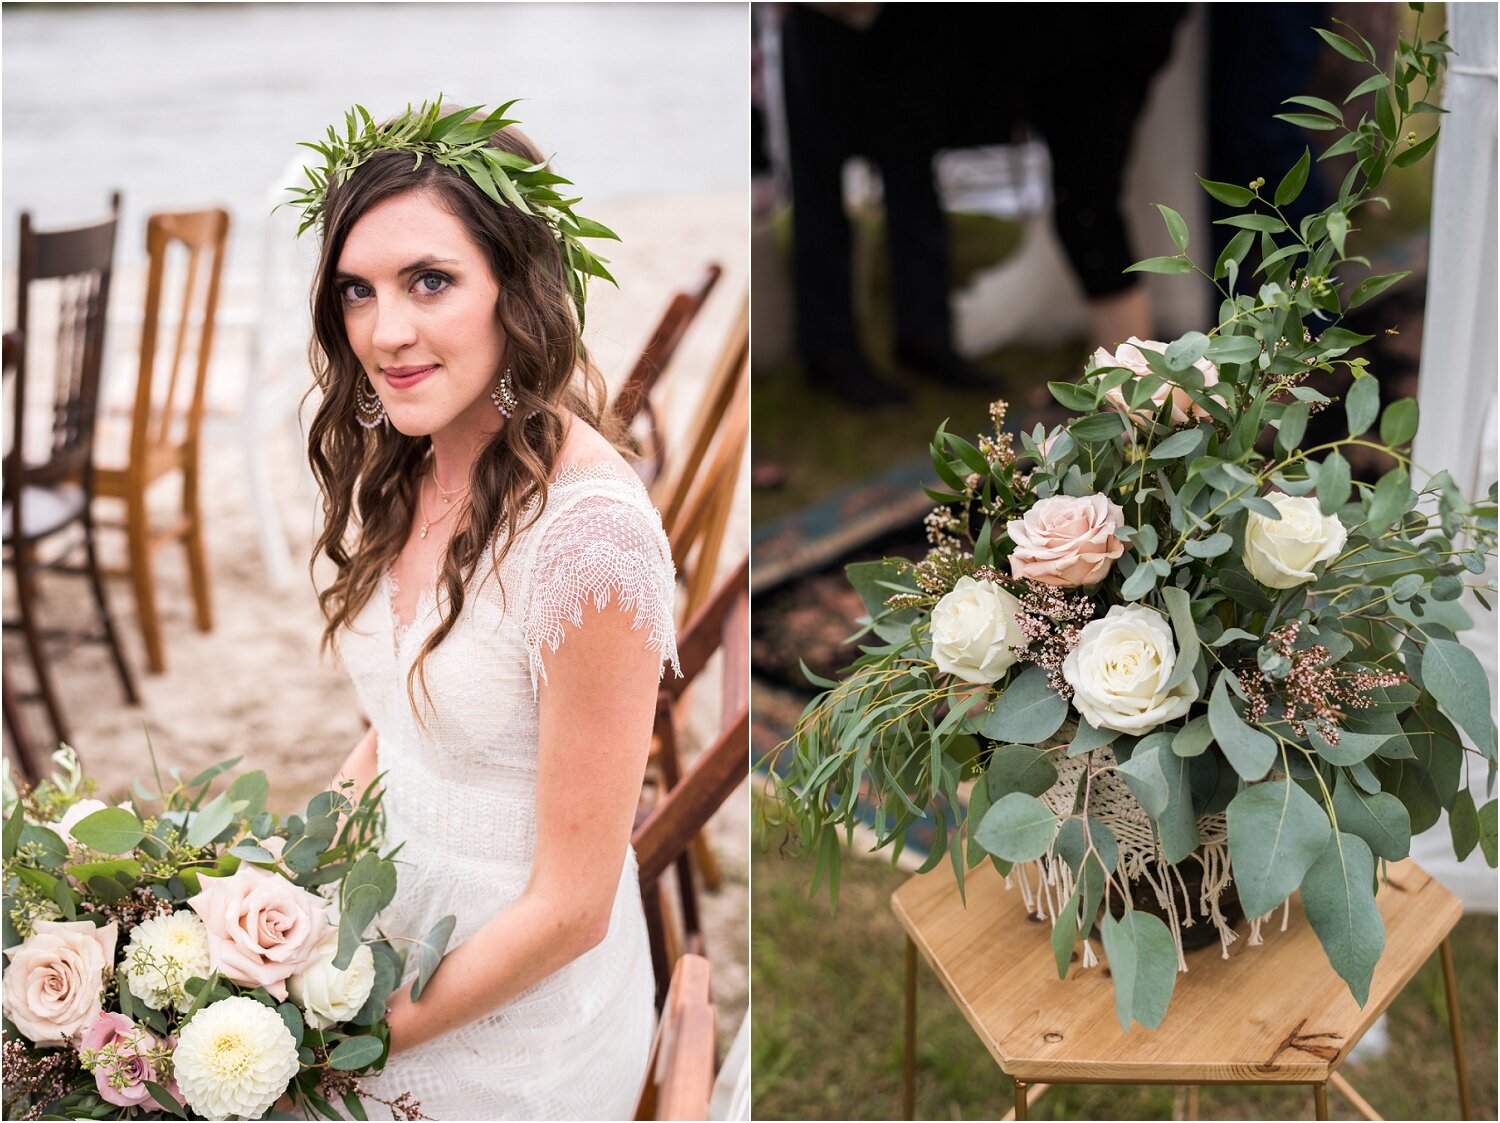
[1067, 541]
[262, 929]
[122, 1071]
[55, 978]
[1129, 355]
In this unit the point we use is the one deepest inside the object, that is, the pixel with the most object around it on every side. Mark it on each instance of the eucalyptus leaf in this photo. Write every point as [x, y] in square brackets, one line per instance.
[1456, 679]
[1017, 828]
[360, 907]
[1028, 711]
[356, 1052]
[1377, 817]
[1463, 822]
[1362, 404]
[1210, 547]
[1019, 768]
[1143, 776]
[1178, 823]
[430, 952]
[1276, 833]
[1193, 738]
[1339, 899]
[1250, 751]
[113, 830]
[1143, 965]
[1065, 935]
[1333, 483]
[1176, 227]
[1087, 738]
[207, 823]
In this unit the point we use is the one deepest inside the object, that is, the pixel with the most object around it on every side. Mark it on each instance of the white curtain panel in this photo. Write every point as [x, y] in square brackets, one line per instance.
[1458, 381]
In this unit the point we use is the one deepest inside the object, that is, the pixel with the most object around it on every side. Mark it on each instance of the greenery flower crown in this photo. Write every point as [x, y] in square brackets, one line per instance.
[459, 140]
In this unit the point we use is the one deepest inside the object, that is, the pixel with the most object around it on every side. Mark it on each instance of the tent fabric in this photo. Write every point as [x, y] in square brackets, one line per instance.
[1457, 385]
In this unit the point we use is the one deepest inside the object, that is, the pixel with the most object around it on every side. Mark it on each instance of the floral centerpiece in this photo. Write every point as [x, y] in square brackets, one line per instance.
[200, 960]
[1173, 650]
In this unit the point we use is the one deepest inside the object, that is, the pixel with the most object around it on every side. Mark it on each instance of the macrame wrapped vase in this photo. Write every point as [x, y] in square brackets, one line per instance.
[1195, 898]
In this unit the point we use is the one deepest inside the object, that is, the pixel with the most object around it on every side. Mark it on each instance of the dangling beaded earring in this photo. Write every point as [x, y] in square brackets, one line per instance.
[369, 410]
[504, 397]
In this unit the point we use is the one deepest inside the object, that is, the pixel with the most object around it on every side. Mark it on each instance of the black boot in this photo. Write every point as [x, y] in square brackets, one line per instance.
[940, 362]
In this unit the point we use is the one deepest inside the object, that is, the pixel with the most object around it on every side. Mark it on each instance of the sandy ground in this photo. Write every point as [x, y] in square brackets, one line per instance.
[255, 686]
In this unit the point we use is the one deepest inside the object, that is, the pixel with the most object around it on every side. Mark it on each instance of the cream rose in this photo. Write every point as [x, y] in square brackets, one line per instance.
[328, 995]
[973, 628]
[55, 978]
[1129, 355]
[1119, 669]
[1067, 540]
[1281, 553]
[261, 928]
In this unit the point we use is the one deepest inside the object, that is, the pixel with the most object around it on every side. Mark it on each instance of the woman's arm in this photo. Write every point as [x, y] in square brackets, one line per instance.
[361, 765]
[594, 731]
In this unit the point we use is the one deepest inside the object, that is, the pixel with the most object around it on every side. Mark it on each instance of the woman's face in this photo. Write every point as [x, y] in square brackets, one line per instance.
[419, 310]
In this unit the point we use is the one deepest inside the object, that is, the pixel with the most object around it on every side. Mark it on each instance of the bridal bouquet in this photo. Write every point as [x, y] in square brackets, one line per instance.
[1179, 653]
[191, 956]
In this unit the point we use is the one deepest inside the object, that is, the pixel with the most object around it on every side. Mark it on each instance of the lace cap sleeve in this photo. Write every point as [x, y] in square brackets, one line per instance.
[598, 548]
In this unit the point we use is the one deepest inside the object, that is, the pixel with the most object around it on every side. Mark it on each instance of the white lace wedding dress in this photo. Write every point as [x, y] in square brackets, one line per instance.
[461, 794]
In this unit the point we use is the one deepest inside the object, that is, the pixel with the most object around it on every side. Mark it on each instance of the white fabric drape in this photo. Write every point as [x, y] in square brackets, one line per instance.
[1457, 387]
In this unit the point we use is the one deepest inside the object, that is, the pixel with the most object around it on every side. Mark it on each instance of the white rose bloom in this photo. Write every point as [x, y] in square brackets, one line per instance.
[1281, 553]
[328, 995]
[234, 1059]
[163, 953]
[973, 628]
[1119, 668]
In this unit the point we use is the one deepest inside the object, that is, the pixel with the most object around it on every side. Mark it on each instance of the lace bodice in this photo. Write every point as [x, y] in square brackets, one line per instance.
[460, 793]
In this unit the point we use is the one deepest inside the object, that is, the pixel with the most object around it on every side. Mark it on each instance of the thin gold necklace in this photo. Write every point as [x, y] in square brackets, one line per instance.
[443, 493]
[427, 520]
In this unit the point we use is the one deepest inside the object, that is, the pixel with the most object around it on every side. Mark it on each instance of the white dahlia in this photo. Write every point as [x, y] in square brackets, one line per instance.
[163, 953]
[235, 1058]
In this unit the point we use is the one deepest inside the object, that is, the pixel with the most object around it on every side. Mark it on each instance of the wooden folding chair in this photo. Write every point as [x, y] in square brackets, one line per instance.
[186, 255]
[634, 398]
[62, 295]
[667, 830]
[680, 1075]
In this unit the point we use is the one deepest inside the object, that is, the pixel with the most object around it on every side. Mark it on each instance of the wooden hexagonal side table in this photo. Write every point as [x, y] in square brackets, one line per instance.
[1273, 1014]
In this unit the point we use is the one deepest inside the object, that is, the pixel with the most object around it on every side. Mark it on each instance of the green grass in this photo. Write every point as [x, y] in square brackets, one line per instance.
[822, 446]
[827, 1009]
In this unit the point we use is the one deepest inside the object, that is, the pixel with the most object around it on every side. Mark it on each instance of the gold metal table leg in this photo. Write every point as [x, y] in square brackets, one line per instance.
[1320, 1101]
[909, 1076]
[1460, 1069]
[1020, 1100]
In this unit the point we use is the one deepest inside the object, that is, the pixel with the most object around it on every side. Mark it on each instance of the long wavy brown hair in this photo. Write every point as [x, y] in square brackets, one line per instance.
[369, 478]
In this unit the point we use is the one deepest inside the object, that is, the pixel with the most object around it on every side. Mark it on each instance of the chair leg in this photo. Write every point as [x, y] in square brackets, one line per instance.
[106, 620]
[193, 542]
[138, 531]
[27, 762]
[31, 631]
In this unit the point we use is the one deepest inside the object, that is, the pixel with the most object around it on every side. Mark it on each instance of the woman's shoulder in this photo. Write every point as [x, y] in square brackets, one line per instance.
[585, 447]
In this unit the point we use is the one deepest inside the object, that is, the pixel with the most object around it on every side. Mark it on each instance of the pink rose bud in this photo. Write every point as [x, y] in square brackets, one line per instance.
[1067, 541]
[1129, 355]
[121, 1062]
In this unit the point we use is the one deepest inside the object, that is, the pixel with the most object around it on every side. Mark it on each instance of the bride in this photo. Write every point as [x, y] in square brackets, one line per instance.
[503, 604]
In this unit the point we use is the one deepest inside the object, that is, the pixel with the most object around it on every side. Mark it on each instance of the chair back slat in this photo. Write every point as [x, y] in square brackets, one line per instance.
[682, 309]
[186, 255]
[62, 293]
[724, 382]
